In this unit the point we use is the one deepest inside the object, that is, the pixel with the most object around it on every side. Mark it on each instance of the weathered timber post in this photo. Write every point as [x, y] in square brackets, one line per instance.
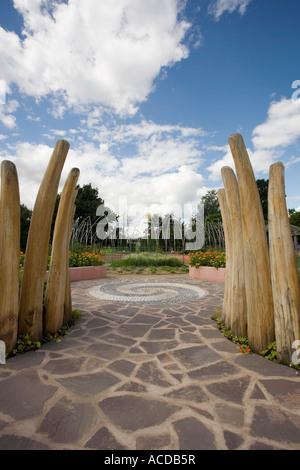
[226, 312]
[68, 296]
[237, 302]
[9, 254]
[260, 309]
[35, 266]
[284, 274]
[56, 285]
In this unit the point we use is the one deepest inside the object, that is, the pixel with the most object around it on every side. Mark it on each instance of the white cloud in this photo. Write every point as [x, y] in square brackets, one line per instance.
[282, 127]
[163, 168]
[261, 160]
[3, 91]
[6, 113]
[93, 52]
[292, 161]
[270, 139]
[218, 7]
[216, 166]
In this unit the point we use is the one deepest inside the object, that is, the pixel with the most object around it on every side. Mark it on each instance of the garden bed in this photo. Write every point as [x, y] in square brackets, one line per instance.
[87, 272]
[208, 265]
[207, 273]
[84, 273]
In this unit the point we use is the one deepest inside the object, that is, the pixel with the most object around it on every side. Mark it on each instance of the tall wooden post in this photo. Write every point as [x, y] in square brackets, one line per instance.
[237, 302]
[56, 285]
[284, 274]
[9, 254]
[68, 295]
[260, 309]
[226, 312]
[35, 266]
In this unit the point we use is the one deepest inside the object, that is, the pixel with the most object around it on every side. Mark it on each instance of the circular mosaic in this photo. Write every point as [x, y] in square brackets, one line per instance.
[149, 293]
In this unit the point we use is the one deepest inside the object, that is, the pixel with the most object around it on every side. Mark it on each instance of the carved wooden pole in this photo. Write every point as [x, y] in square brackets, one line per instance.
[35, 266]
[68, 296]
[237, 302]
[284, 274]
[56, 286]
[226, 312]
[9, 254]
[260, 309]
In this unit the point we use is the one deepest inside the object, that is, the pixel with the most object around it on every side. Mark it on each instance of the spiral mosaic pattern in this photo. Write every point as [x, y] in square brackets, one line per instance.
[149, 293]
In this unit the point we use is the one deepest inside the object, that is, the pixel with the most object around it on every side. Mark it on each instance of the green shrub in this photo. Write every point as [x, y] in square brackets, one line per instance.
[147, 260]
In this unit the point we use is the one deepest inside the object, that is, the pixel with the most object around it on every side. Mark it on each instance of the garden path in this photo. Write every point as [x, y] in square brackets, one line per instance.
[133, 376]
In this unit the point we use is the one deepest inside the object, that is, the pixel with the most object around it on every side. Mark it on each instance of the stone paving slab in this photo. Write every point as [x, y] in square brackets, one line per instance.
[147, 377]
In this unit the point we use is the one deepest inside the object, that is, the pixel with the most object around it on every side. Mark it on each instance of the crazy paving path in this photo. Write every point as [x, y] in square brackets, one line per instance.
[147, 376]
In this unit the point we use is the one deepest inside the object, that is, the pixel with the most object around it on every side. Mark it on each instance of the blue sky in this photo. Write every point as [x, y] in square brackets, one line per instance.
[147, 93]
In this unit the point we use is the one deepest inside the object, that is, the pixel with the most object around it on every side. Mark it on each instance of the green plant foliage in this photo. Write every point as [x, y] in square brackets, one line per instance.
[215, 259]
[298, 263]
[241, 342]
[24, 344]
[271, 352]
[84, 259]
[148, 260]
[76, 259]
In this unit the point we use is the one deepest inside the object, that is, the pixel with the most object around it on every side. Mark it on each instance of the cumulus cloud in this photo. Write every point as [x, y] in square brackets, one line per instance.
[161, 166]
[282, 127]
[218, 7]
[6, 114]
[270, 140]
[91, 52]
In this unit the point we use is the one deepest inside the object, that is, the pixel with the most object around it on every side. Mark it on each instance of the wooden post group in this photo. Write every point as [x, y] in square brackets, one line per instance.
[26, 309]
[262, 291]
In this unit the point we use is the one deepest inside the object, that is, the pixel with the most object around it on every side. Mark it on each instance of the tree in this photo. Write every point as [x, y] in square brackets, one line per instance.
[211, 206]
[25, 218]
[294, 217]
[263, 186]
[87, 202]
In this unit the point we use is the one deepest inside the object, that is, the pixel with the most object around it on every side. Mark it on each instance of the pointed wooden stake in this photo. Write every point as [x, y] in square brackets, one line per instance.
[56, 286]
[9, 254]
[226, 312]
[68, 309]
[237, 304]
[35, 266]
[260, 309]
[284, 274]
